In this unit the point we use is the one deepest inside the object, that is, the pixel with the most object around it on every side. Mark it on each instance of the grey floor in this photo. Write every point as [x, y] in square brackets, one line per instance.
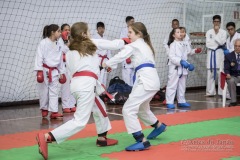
[16, 119]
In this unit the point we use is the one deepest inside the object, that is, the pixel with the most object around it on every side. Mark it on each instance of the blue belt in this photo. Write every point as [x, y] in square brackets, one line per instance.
[213, 53]
[140, 67]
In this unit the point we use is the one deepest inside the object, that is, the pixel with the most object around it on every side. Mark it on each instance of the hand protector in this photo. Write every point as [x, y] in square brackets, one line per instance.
[198, 50]
[126, 40]
[65, 36]
[184, 63]
[191, 67]
[63, 79]
[226, 51]
[40, 77]
[128, 60]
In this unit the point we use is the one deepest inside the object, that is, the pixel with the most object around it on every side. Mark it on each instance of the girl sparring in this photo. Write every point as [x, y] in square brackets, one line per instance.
[146, 84]
[82, 63]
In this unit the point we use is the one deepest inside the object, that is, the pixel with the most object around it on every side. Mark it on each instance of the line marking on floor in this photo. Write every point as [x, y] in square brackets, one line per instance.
[114, 114]
[204, 101]
[19, 118]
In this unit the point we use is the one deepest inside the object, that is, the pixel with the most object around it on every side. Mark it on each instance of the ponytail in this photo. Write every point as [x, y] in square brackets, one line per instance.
[171, 38]
[45, 29]
[48, 29]
[147, 39]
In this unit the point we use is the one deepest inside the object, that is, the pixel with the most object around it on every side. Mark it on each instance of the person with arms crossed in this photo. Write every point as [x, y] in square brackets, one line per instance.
[215, 42]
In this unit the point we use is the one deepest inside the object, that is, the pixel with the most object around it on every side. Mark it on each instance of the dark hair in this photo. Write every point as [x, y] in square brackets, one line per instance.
[183, 28]
[64, 25]
[48, 29]
[139, 27]
[100, 24]
[175, 20]
[216, 17]
[128, 18]
[78, 42]
[171, 38]
[230, 24]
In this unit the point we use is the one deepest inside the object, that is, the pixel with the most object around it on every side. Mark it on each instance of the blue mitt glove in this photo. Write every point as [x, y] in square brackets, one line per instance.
[191, 67]
[184, 63]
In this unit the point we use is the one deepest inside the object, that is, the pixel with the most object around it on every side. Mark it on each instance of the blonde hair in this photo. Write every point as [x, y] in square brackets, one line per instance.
[80, 43]
[139, 28]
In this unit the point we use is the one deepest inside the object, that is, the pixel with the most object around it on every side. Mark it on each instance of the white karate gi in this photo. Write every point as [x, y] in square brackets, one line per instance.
[127, 69]
[177, 75]
[49, 53]
[68, 101]
[146, 85]
[103, 73]
[230, 43]
[83, 89]
[213, 40]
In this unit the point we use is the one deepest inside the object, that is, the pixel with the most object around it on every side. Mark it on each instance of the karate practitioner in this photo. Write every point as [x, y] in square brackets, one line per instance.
[175, 24]
[50, 68]
[127, 66]
[68, 101]
[215, 42]
[103, 55]
[82, 62]
[233, 35]
[178, 69]
[146, 84]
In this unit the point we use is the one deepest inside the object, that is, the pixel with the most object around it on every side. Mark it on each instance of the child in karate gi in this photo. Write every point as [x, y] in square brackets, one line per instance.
[49, 67]
[146, 84]
[82, 63]
[68, 101]
[178, 68]
[103, 55]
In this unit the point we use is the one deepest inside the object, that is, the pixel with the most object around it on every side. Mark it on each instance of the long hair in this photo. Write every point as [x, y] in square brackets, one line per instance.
[80, 43]
[171, 38]
[139, 27]
[48, 29]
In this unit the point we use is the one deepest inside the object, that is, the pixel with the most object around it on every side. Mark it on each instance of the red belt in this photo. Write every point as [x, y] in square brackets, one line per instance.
[93, 75]
[50, 71]
[103, 57]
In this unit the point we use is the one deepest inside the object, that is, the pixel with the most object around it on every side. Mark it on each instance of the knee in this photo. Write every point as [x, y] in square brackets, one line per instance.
[125, 111]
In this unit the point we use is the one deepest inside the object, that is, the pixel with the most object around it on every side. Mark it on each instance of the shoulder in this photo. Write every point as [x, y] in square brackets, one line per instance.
[43, 42]
[209, 31]
[174, 43]
[238, 34]
[139, 42]
[223, 31]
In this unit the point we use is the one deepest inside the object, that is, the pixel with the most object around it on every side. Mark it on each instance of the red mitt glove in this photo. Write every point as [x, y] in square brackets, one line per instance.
[63, 79]
[198, 50]
[65, 36]
[128, 60]
[126, 40]
[40, 77]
